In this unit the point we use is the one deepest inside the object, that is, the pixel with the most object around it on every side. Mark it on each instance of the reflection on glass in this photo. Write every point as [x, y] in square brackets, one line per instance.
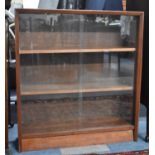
[47, 32]
[77, 72]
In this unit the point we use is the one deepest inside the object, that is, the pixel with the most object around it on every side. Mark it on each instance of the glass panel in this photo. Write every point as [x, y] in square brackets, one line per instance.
[94, 90]
[67, 73]
[61, 32]
[77, 72]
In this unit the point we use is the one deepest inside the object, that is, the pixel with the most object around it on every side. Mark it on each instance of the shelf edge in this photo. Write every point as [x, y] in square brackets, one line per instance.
[104, 50]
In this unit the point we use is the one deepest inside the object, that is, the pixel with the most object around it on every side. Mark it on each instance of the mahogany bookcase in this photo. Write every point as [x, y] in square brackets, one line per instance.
[78, 77]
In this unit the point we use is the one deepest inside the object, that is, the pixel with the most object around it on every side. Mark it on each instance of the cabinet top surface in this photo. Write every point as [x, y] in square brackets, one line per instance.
[63, 11]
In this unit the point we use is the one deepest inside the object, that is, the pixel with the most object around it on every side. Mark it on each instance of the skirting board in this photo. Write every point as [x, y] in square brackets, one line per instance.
[31, 144]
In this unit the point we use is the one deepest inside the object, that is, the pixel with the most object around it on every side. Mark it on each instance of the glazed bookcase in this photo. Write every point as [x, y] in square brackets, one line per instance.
[78, 77]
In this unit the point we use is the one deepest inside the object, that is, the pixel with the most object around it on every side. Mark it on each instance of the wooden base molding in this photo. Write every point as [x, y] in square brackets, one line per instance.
[76, 140]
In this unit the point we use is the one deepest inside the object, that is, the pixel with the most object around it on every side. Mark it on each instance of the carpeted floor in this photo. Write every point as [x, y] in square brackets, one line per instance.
[143, 152]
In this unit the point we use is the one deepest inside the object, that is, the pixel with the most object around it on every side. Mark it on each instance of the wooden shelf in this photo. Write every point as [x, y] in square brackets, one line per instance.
[102, 85]
[69, 116]
[44, 89]
[105, 50]
[104, 125]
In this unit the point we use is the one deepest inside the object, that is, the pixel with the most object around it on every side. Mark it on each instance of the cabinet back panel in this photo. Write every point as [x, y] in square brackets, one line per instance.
[72, 115]
[45, 32]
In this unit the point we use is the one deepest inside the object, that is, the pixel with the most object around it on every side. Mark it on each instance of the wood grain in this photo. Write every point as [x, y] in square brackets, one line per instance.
[76, 140]
[19, 115]
[105, 50]
[47, 89]
[96, 125]
[138, 77]
[92, 12]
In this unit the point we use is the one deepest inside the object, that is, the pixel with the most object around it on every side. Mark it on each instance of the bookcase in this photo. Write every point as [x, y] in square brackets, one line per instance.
[78, 77]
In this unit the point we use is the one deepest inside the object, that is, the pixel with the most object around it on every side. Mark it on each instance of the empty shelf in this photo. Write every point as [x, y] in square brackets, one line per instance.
[102, 85]
[106, 50]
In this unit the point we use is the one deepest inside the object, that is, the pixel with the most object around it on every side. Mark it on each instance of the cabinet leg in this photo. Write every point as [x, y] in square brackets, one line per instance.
[135, 136]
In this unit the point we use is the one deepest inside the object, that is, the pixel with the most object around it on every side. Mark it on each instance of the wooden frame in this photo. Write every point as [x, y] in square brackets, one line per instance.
[6, 84]
[138, 74]
[87, 137]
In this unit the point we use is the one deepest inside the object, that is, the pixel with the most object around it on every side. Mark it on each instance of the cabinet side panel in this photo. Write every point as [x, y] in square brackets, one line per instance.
[138, 74]
[18, 81]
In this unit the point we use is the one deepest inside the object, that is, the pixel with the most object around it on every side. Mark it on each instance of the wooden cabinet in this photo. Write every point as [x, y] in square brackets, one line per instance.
[78, 77]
